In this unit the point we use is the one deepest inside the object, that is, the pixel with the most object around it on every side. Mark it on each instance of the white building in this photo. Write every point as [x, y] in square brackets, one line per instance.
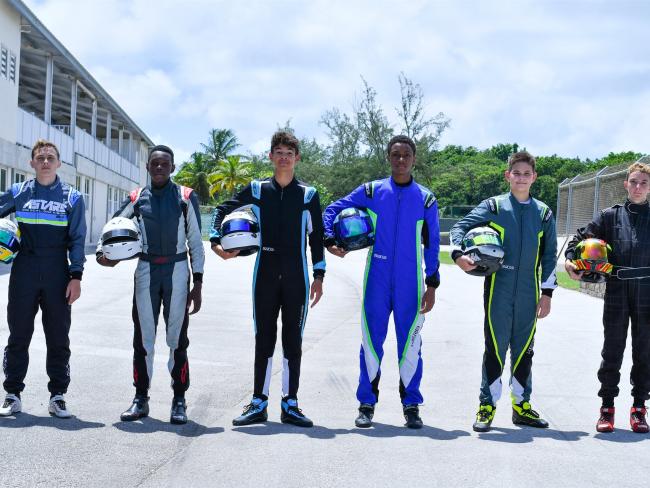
[45, 93]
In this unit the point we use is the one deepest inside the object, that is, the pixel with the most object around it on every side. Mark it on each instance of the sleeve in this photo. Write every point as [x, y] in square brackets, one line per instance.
[549, 256]
[596, 229]
[481, 214]
[126, 210]
[7, 204]
[77, 237]
[431, 234]
[316, 237]
[358, 198]
[244, 197]
[194, 238]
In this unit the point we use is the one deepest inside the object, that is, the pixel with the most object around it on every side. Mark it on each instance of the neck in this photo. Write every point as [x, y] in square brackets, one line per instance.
[402, 179]
[158, 187]
[45, 181]
[283, 177]
[521, 196]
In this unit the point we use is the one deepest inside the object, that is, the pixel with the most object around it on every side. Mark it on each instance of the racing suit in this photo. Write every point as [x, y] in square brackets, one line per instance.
[52, 224]
[511, 294]
[280, 278]
[626, 228]
[169, 222]
[405, 218]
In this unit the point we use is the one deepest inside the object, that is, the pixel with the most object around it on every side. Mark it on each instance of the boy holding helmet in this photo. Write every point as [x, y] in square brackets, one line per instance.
[626, 228]
[512, 298]
[405, 218]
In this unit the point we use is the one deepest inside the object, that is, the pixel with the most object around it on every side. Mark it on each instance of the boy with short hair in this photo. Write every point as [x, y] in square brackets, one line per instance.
[512, 298]
[626, 228]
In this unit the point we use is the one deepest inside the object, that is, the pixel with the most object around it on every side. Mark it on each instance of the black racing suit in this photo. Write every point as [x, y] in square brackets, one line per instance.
[626, 228]
[280, 281]
[52, 224]
[170, 222]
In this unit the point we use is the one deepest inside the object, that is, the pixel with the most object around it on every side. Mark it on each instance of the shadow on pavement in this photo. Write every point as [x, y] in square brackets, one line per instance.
[150, 425]
[528, 434]
[28, 420]
[622, 436]
[377, 430]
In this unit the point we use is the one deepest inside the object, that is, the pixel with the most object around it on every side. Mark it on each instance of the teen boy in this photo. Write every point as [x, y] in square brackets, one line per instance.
[512, 298]
[405, 218]
[288, 211]
[626, 228]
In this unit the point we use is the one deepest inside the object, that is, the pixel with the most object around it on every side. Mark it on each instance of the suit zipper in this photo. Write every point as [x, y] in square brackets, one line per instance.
[399, 202]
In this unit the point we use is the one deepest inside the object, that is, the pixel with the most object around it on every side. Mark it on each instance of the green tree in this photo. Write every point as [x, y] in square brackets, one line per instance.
[230, 174]
[221, 144]
[194, 173]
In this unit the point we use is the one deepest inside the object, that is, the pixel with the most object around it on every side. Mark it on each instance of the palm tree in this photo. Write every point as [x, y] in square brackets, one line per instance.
[194, 173]
[230, 174]
[222, 142]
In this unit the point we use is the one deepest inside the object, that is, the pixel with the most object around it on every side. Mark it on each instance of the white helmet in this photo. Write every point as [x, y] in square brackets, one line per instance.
[240, 231]
[9, 240]
[121, 239]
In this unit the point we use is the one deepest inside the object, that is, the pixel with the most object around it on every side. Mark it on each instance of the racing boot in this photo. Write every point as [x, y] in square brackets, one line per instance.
[254, 412]
[412, 416]
[291, 414]
[11, 405]
[606, 421]
[179, 411]
[484, 417]
[57, 407]
[638, 421]
[523, 414]
[364, 420]
[138, 409]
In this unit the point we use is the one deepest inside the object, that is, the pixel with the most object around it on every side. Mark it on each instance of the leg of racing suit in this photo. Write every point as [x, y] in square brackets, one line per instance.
[175, 287]
[640, 315]
[521, 347]
[294, 314]
[616, 318]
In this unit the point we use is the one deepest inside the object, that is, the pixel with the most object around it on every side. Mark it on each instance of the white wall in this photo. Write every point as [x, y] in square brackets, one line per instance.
[10, 39]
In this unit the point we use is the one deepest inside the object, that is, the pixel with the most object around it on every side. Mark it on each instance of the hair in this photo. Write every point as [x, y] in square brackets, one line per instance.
[643, 168]
[285, 138]
[402, 139]
[161, 148]
[521, 157]
[41, 143]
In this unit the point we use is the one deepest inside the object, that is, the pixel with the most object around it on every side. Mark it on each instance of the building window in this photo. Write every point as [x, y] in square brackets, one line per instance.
[3, 179]
[4, 62]
[12, 68]
[19, 177]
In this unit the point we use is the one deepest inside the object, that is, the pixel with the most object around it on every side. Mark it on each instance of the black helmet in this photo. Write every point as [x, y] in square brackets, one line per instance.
[353, 229]
[483, 245]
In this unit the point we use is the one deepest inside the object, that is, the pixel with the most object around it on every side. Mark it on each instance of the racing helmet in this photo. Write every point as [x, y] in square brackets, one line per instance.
[121, 239]
[353, 229]
[240, 231]
[9, 240]
[591, 256]
[484, 246]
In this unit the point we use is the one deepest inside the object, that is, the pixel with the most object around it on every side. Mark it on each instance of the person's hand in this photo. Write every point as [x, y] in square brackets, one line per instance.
[73, 291]
[219, 251]
[316, 291]
[543, 307]
[104, 261]
[465, 263]
[337, 251]
[194, 297]
[428, 299]
[572, 270]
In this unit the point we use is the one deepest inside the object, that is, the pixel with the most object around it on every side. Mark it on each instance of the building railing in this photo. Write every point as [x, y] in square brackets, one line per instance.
[30, 128]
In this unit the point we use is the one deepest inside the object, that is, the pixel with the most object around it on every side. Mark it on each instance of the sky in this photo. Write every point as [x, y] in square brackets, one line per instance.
[558, 77]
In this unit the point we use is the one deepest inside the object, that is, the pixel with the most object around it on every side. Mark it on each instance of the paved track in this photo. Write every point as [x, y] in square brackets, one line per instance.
[96, 449]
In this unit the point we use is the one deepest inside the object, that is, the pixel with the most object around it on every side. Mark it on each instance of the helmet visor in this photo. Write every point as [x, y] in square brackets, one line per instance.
[487, 238]
[593, 249]
[353, 226]
[238, 225]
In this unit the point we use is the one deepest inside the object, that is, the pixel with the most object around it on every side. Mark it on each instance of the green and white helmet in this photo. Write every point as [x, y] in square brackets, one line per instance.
[484, 246]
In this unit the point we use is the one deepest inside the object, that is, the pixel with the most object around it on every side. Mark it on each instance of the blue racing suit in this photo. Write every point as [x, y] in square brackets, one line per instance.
[511, 294]
[405, 218]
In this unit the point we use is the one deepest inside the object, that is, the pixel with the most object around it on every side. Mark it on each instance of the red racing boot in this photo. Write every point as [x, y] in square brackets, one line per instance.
[606, 420]
[637, 420]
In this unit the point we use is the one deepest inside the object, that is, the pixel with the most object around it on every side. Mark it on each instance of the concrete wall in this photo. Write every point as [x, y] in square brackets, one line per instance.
[10, 39]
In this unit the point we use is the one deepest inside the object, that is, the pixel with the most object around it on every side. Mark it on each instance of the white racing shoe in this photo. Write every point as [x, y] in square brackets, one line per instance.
[57, 407]
[11, 405]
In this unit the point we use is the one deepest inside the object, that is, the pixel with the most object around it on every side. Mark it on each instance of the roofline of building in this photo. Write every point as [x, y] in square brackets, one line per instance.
[86, 77]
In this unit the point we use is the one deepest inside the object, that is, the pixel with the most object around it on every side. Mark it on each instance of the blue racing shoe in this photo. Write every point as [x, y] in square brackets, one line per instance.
[254, 413]
[291, 414]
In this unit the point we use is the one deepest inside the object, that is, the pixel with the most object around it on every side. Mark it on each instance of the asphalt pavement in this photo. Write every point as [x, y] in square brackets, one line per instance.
[96, 449]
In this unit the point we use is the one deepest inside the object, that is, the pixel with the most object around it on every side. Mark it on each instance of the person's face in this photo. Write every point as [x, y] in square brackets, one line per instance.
[637, 186]
[284, 158]
[45, 163]
[401, 159]
[160, 167]
[521, 176]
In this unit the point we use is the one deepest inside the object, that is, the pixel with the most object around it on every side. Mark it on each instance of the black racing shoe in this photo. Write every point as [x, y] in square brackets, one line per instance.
[179, 411]
[364, 420]
[484, 417]
[412, 416]
[254, 413]
[523, 414]
[138, 409]
[291, 414]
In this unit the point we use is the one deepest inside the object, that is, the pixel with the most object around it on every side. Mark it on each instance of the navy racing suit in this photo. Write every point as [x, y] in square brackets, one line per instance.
[286, 216]
[52, 224]
[405, 218]
[511, 294]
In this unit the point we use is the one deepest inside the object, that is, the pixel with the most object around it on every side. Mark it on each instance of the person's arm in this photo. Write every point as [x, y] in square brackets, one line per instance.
[431, 241]
[76, 243]
[197, 254]
[317, 249]
[596, 229]
[480, 215]
[244, 197]
[7, 205]
[358, 199]
[548, 263]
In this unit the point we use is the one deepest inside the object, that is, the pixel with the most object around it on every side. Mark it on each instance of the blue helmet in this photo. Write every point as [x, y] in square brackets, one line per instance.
[353, 229]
